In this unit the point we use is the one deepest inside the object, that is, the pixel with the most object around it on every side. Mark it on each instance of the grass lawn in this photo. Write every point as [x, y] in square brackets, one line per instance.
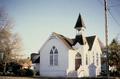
[12, 77]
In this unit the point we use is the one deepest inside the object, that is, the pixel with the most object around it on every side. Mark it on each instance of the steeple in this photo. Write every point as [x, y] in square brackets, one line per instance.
[79, 23]
[80, 37]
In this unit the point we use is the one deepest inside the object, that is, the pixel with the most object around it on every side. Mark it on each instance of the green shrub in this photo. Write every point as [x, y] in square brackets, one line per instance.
[22, 72]
[29, 72]
[26, 72]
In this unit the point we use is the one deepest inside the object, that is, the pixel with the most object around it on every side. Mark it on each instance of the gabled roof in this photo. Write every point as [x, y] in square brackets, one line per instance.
[79, 23]
[90, 41]
[35, 58]
[67, 41]
[79, 39]
[71, 42]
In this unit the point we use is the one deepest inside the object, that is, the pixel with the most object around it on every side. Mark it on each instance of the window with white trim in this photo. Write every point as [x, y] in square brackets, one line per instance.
[54, 56]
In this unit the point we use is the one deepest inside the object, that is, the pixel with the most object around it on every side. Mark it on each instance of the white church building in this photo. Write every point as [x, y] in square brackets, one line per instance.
[61, 56]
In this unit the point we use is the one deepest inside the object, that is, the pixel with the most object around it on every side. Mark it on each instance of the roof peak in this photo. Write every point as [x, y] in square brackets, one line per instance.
[79, 23]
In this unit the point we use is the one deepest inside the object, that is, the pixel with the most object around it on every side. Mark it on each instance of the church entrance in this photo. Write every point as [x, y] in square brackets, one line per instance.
[78, 61]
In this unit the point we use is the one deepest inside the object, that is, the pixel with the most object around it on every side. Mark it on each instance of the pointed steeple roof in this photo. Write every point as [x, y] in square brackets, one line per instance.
[79, 23]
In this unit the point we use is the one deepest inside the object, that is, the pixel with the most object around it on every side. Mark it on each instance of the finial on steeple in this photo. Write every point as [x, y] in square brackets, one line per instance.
[79, 23]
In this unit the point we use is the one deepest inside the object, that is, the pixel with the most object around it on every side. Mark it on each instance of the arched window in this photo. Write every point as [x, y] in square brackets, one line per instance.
[53, 56]
[78, 61]
[78, 56]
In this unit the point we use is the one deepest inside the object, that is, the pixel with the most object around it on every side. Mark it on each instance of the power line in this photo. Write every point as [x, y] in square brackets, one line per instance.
[116, 21]
[115, 5]
[114, 18]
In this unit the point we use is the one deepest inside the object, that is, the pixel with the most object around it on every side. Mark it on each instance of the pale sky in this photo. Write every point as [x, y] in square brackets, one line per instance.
[35, 20]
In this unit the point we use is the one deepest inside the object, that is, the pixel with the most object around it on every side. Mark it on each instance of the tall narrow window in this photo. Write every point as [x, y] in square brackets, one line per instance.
[97, 59]
[51, 57]
[93, 58]
[54, 56]
[86, 59]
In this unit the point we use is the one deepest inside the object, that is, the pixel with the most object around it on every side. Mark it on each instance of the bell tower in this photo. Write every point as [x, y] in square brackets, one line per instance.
[80, 35]
[80, 26]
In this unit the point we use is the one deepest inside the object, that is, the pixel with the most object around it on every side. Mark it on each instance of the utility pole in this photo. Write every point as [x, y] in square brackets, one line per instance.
[106, 36]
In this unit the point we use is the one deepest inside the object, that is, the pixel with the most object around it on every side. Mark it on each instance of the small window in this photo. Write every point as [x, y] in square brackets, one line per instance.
[86, 59]
[53, 47]
[97, 59]
[93, 58]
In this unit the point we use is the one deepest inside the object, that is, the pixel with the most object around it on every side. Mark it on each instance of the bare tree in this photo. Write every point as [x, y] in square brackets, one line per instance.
[10, 42]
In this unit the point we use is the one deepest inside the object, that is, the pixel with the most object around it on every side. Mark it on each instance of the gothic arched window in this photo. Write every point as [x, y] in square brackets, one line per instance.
[78, 61]
[53, 56]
